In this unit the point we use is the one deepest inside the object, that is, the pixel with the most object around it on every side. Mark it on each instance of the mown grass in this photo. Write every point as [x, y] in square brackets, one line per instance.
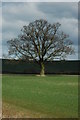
[51, 96]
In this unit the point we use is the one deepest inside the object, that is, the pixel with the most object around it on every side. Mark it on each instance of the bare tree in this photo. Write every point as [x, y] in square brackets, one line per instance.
[41, 41]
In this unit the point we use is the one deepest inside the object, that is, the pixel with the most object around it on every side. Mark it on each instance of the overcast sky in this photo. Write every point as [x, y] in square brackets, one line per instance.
[17, 14]
[40, 0]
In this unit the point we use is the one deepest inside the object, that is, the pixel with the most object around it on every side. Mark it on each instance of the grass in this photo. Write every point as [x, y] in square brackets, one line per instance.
[53, 96]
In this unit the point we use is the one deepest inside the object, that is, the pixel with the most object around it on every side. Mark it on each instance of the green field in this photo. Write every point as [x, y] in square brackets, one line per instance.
[34, 96]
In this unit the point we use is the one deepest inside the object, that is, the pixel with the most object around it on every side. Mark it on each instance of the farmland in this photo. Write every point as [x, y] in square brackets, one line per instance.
[52, 96]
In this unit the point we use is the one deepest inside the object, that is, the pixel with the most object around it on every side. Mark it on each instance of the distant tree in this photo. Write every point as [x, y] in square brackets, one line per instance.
[41, 41]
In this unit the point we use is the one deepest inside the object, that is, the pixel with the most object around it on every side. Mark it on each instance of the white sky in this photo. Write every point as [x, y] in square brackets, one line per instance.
[40, 0]
[15, 15]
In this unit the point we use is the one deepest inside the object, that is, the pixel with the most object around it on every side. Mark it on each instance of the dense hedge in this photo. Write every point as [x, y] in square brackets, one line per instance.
[56, 67]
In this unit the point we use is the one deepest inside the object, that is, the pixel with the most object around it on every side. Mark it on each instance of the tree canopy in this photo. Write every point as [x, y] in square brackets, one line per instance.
[41, 41]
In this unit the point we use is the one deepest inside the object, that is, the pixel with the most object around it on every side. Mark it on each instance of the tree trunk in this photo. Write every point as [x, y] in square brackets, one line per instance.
[42, 73]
